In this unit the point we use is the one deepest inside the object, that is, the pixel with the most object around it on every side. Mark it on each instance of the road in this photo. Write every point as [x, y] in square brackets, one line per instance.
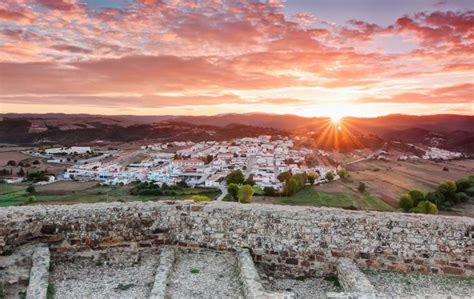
[223, 189]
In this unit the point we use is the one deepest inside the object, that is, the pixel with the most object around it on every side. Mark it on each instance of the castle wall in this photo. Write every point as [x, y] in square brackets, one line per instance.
[296, 240]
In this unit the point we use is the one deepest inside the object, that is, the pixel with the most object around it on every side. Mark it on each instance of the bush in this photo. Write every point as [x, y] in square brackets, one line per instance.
[448, 189]
[426, 207]
[470, 191]
[435, 197]
[312, 178]
[31, 199]
[416, 196]
[11, 163]
[342, 173]
[269, 191]
[200, 198]
[30, 189]
[235, 177]
[233, 190]
[330, 176]
[362, 187]
[462, 185]
[291, 187]
[249, 181]
[461, 197]
[182, 184]
[245, 194]
[284, 176]
[406, 202]
[36, 162]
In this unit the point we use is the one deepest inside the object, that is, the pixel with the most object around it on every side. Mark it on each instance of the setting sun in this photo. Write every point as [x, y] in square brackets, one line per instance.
[336, 118]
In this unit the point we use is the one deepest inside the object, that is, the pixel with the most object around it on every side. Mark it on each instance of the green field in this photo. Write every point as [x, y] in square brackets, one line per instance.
[310, 197]
[74, 192]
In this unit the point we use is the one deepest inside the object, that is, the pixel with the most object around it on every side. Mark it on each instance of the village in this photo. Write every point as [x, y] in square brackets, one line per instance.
[205, 164]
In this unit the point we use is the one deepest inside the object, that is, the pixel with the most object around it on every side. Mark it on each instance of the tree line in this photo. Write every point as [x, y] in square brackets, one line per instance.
[446, 195]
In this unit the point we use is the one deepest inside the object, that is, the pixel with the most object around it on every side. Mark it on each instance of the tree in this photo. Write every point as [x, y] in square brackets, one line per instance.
[30, 189]
[426, 207]
[182, 184]
[311, 161]
[209, 159]
[245, 194]
[461, 197]
[269, 191]
[435, 197]
[233, 190]
[284, 176]
[329, 176]
[249, 181]
[362, 187]
[312, 177]
[342, 173]
[406, 202]
[291, 187]
[416, 196]
[463, 184]
[11, 163]
[235, 177]
[21, 172]
[31, 199]
[448, 189]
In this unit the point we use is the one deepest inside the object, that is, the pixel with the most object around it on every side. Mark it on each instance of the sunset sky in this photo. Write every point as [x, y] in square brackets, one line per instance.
[305, 57]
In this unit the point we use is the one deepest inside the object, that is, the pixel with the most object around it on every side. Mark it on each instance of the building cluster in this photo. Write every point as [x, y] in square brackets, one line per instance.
[434, 153]
[207, 163]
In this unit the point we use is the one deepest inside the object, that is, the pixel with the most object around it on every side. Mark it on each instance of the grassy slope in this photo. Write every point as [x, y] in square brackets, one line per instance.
[310, 197]
[89, 195]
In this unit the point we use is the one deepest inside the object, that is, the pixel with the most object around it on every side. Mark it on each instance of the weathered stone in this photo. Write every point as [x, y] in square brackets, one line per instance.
[39, 274]
[351, 278]
[163, 272]
[285, 237]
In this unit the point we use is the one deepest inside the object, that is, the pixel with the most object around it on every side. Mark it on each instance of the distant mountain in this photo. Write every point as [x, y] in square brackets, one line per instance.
[454, 132]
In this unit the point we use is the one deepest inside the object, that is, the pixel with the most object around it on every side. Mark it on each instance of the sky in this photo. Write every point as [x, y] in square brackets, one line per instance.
[188, 57]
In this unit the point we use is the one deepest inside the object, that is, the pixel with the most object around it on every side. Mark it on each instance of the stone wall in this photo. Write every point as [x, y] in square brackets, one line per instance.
[296, 240]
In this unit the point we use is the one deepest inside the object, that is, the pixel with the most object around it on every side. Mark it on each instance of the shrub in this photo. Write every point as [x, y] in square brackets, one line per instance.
[235, 177]
[312, 178]
[426, 207]
[31, 199]
[416, 196]
[330, 176]
[462, 185]
[291, 187]
[406, 202]
[36, 162]
[461, 197]
[30, 189]
[233, 190]
[284, 176]
[435, 197]
[448, 189]
[11, 163]
[182, 184]
[249, 181]
[470, 191]
[269, 191]
[200, 198]
[342, 173]
[362, 187]
[245, 194]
